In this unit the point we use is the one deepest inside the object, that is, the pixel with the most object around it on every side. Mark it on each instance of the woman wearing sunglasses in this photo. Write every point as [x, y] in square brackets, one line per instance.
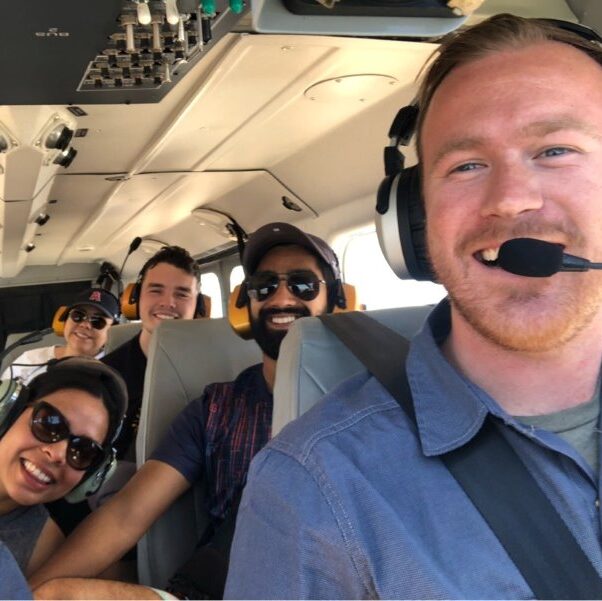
[87, 324]
[55, 440]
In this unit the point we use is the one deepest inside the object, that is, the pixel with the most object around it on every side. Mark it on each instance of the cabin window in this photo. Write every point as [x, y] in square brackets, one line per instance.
[237, 275]
[210, 286]
[364, 266]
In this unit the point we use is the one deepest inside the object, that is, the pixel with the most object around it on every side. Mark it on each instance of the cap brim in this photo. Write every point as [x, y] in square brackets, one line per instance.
[98, 306]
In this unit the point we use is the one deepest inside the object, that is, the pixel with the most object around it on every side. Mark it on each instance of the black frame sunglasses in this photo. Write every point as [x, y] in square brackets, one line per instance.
[96, 321]
[303, 284]
[49, 425]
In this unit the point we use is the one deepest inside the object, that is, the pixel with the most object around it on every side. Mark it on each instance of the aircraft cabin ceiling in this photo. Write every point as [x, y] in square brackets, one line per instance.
[257, 126]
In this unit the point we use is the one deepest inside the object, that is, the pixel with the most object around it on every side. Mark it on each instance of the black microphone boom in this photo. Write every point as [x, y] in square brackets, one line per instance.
[539, 259]
[133, 246]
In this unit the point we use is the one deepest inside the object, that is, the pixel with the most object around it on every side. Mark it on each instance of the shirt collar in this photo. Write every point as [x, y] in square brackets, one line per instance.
[450, 409]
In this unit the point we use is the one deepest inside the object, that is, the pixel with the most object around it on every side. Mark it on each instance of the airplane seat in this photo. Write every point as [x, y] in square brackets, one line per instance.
[184, 357]
[313, 361]
[120, 334]
[48, 340]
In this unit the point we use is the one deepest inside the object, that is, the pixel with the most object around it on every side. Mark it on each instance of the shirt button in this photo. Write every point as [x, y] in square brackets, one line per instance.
[597, 503]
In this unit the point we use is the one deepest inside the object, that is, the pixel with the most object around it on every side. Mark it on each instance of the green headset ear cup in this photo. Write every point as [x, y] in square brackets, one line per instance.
[93, 479]
[13, 400]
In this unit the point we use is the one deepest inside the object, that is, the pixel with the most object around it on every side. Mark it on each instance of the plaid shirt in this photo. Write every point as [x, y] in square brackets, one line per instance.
[216, 436]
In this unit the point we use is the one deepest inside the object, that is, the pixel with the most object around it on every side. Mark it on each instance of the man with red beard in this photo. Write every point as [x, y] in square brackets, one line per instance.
[354, 500]
[290, 274]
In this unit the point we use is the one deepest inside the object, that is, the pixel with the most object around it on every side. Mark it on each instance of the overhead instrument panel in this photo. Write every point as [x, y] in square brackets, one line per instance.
[397, 18]
[105, 51]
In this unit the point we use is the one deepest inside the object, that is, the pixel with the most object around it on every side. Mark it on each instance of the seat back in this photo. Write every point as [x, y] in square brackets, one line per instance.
[184, 357]
[48, 340]
[313, 361]
[119, 334]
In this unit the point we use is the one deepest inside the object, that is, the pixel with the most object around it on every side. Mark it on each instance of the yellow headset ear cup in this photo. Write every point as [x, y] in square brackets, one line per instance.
[128, 309]
[239, 316]
[350, 299]
[59, 319]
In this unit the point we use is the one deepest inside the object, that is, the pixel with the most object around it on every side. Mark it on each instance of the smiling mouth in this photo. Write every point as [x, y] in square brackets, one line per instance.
[165, 316]
[36, 473]
[82, 336]
[282, 320]
[488, 256]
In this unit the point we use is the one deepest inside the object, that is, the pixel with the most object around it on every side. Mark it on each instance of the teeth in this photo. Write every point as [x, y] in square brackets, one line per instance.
[37, 473]
[283, 319]
[164, 316]
[490, 254]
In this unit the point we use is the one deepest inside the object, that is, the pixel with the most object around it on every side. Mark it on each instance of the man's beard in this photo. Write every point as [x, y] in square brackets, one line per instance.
[539, 314]
[269, 340]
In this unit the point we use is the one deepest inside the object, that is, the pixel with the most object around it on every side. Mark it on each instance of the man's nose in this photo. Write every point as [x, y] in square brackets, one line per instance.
[513, 189]
[168, 299]
[283, 295]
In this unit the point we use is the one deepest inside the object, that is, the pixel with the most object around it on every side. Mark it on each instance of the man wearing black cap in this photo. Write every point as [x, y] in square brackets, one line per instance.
[290, 275]
[87, 323]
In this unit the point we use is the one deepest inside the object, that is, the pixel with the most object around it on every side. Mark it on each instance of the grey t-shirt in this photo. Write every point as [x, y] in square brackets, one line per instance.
[577, 425]
[20, 529]
[12, 580]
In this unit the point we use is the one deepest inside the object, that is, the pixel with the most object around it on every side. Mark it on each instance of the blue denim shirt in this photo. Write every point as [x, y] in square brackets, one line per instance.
[350, 502]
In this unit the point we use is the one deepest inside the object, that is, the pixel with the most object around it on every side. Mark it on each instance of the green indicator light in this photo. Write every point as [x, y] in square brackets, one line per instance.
[236, 6]
[208, 7]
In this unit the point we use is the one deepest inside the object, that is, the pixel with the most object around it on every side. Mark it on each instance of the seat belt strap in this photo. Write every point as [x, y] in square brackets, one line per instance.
[490, 472]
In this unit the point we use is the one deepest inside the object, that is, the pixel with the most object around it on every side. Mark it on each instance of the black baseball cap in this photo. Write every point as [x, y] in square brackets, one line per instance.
[278, 234]
[102, 299]
[90, 375]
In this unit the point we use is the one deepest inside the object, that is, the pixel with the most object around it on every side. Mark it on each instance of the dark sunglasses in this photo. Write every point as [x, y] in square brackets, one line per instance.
[305, 285]
[96, 321]
[49, 425]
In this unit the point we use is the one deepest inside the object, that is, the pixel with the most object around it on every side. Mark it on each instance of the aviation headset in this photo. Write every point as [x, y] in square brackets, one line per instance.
[15, 397]
[131, 295]
[400, 213]
[340, 296]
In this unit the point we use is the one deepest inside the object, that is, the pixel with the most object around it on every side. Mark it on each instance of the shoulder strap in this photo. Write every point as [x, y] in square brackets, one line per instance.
[525, 522]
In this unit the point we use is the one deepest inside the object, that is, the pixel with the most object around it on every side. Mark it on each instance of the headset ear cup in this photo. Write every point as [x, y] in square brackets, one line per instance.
[401, 228]
[340, 295]
[383, 195]
[201, 309]
[59, 319]
[241, 298]
[129, 301]
[411, 216]
[238, 316]
[93, 479]
[13, 400]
